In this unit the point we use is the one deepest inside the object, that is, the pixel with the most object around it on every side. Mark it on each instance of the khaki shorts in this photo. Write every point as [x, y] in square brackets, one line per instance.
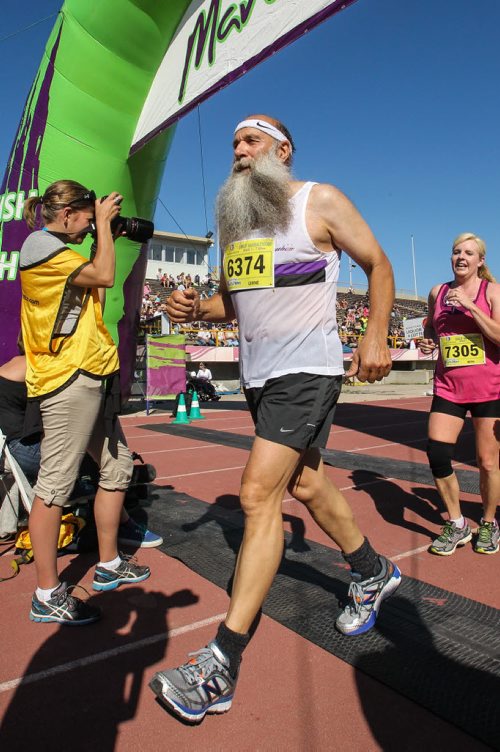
[73, 423]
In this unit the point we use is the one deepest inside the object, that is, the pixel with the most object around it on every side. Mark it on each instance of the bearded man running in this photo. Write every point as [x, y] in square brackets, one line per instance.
[282, 242]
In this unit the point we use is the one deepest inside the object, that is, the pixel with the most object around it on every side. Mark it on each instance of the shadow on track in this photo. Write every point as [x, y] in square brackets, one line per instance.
[398, 425]
[412, 664]
[81, 706]
[392, 503]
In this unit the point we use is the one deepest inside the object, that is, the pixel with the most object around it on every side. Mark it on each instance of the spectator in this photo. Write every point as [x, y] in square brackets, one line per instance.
[204, 338]
[204, 373]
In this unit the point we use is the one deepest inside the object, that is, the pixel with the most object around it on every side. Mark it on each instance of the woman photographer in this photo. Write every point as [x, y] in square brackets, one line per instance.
[72, 383]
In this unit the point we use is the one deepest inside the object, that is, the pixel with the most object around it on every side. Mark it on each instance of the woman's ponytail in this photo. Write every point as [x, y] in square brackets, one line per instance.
[29, 211]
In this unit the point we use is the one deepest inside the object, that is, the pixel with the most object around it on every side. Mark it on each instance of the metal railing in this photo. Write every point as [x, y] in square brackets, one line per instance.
[220, 337]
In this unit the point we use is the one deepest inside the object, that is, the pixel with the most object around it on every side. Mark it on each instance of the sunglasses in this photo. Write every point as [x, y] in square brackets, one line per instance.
[88, 197]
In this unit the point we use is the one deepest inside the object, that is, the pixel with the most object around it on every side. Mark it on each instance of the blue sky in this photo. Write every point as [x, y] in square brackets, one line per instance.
[395, 102]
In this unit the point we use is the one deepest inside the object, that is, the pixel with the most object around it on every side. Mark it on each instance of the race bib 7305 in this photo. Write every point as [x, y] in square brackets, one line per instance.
[462, 350]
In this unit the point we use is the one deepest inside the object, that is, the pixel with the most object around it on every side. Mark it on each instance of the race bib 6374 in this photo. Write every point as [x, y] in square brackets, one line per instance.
[249, 264]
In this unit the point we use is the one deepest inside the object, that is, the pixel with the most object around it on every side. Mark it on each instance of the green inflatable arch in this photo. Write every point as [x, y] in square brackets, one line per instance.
[78, 123]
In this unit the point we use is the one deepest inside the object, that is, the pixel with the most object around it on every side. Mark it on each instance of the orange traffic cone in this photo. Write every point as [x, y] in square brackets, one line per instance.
[182, 416]
[195, 413]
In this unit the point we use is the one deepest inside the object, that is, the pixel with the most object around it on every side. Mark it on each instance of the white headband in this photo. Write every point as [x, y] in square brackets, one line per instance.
[263, 126]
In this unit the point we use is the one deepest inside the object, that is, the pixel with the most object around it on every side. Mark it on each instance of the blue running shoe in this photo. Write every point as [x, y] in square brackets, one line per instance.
[64, 608]
[131, 533]
[200, 686]
[361, 612]
[128, 573]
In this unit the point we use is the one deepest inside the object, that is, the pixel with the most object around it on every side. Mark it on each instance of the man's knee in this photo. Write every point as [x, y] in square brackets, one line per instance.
[440, 455]
[256, 499]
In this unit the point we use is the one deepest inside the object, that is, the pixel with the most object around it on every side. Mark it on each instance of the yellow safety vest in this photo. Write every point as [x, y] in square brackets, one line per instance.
[62, 326]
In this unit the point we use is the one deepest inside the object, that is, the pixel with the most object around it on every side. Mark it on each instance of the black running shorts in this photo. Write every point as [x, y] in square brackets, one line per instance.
[489, 409]
[295, 410]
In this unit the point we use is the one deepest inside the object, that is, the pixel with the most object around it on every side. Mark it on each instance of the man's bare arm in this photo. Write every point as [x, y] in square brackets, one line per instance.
[347, 230]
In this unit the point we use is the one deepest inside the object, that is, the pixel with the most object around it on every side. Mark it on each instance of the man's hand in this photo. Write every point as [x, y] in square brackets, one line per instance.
[183, 306]
[371, 361]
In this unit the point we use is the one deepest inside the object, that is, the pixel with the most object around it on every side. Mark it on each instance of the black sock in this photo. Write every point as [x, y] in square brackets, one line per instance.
[232, 644]
[364, 561]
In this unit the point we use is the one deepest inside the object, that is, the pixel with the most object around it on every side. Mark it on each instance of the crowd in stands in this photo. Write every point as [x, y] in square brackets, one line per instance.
[183, 281]
[352, 313]
[156, 292]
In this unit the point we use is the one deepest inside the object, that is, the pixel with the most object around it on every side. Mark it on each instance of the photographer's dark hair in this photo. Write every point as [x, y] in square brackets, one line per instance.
[57, 195]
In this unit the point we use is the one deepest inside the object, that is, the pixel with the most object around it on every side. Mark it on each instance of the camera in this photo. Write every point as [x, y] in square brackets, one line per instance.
[135, 228]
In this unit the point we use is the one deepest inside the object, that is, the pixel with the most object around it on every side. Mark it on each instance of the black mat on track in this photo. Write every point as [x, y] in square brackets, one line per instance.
[415, 472]
[435, 647]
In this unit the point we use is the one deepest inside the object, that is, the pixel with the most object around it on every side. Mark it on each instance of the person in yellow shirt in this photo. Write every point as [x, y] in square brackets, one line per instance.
[72, 386]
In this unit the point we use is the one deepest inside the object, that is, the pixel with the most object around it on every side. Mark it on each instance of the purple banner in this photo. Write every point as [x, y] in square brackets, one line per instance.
[165, 367]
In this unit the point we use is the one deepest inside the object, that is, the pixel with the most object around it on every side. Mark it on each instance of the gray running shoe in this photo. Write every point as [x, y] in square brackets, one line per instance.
[361, 613]
[451, 537]
[128, 572]
[488, 538]
[63, 608]
[202, 685]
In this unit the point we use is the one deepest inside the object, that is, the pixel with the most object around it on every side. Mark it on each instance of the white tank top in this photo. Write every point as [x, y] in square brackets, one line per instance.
[291, 327]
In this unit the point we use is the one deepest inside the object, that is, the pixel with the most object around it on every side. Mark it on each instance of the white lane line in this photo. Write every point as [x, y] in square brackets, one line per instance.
[377, 426]
[391, 443]
[155, 436]
[414, 551]
[369, 483]
[201, 472]
[181, 449]
[398, 443]
[381, 403]
[106, 654]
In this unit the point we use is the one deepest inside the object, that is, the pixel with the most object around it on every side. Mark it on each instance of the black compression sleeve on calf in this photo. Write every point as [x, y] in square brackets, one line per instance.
[232, 644]
[364, 561]
[440, 455]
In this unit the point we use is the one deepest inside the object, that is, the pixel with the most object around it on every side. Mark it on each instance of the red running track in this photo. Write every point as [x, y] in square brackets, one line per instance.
[86, 688]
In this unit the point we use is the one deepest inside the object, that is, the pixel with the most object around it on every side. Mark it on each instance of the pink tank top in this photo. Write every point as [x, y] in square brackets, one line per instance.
[464, 383]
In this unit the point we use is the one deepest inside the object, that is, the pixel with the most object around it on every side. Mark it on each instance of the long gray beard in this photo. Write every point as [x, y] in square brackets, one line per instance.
[254, 200]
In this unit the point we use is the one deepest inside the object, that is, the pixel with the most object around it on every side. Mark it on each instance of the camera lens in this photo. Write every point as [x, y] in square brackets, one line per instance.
[140, 230]
[135, 228]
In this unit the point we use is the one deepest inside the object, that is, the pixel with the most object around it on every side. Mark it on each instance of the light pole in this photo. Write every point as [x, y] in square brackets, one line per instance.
[414, 269]
[351, 267]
